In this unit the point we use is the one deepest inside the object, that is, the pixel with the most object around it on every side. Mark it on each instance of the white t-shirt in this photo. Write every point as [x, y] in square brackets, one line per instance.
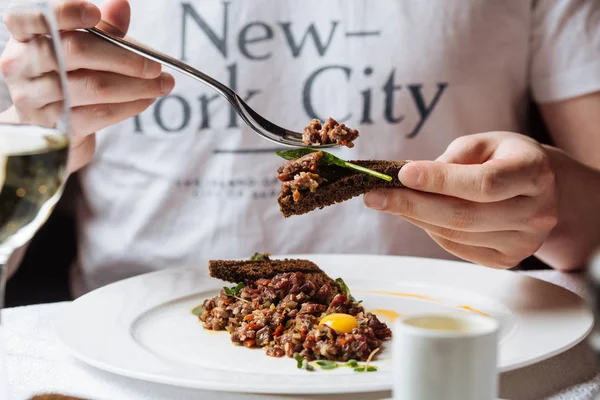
[187, 181]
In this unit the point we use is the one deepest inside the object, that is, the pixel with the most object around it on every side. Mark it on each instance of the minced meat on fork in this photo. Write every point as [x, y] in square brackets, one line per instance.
[282, 316]
[330, 132]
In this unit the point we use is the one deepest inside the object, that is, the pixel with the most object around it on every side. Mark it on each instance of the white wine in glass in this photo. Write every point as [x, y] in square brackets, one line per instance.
[34, 145]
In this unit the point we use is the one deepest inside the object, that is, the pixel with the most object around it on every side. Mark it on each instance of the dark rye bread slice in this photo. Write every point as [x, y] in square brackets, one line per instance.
[342, 184]
[243, 270]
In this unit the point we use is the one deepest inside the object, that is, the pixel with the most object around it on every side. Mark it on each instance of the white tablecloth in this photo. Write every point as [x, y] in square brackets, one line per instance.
[38, 363]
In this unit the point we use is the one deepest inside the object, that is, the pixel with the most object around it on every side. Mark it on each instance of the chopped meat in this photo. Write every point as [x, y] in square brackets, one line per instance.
[302, 181]
[283, 314]
[312, 133]
[306, 163]
[330, 132]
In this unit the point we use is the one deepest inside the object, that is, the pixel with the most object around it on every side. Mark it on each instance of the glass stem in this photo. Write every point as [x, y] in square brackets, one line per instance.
[3, 279]
[4, 387]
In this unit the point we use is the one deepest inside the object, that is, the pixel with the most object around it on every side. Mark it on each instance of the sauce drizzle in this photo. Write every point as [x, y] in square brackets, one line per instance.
[400, 294]
[469, 308]
[388, 314]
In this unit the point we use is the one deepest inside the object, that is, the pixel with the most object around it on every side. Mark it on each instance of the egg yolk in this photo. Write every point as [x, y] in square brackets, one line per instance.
[342, 323]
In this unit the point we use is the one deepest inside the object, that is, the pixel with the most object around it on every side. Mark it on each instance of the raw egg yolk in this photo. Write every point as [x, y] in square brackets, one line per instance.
[342, 323]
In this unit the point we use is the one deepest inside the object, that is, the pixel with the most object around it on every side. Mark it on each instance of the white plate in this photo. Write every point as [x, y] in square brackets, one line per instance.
[142, 327]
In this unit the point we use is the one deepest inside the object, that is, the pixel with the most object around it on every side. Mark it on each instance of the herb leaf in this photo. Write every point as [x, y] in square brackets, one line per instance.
[233, 292]
[260, 257]
[326, 364]
[299, 360]
[370, 368]
[295, 153]
[239, 287]
[346, 291]
[352, 363]
[329, 158]
[301, 363]
[329, 366]
[307, 366]
[197, 310]
[343, 286]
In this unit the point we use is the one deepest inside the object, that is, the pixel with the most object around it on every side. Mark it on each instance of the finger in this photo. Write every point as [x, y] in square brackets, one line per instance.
[45, 116]
[25, 24]
[36, 93]
[94, 87]
[518, 213]
[479, 255]
[82, 51]
[81, 151]
[116, 16]
[495, 180]
[27, 60]
[88, 119]
[503, 241]
[85, 51]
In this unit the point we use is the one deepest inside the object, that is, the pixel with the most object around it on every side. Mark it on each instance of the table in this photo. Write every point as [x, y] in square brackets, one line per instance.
[38, 363]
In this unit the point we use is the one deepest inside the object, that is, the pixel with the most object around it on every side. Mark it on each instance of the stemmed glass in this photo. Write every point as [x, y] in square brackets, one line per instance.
[34, 143]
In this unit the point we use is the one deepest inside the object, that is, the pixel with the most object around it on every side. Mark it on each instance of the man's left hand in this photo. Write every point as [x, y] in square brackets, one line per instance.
[491, 198]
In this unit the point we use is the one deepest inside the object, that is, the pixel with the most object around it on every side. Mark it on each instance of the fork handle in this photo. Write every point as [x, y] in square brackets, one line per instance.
[165, 60]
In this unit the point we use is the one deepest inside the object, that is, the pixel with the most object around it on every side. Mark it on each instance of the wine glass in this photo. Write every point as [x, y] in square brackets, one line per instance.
[34, 145]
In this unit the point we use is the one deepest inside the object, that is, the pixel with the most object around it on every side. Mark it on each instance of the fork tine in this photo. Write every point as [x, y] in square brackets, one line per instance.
[268, 129]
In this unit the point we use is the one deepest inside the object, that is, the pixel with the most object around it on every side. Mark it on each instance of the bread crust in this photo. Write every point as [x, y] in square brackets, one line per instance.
[243, 270]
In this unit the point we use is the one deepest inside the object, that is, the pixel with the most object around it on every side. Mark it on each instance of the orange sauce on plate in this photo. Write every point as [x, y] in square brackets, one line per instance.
[469, 308]
[401, 294]
[388, 314]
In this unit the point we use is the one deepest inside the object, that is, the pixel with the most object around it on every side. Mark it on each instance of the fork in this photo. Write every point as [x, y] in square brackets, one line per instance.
[254, 120]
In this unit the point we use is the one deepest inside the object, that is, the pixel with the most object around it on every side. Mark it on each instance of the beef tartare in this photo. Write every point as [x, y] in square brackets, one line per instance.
[331, 131]
[295, 312]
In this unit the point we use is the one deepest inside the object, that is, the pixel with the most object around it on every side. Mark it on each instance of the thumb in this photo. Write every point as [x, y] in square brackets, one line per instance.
[116, 15]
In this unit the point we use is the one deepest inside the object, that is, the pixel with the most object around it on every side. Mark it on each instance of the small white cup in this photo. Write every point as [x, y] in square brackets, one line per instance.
[445, 357]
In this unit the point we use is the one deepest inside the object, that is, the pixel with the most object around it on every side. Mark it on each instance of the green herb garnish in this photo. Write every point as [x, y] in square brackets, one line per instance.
[197, 310]
[370, 368]
[346, 291]
[233, 292]
[299, 360]
[367, 367]
[301, 363]
[306, 365]
[329, 158]
[326, 364]
[343, 286]
[260, 257]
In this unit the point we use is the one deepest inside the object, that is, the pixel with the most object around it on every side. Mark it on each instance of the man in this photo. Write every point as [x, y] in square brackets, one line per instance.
[185, 180]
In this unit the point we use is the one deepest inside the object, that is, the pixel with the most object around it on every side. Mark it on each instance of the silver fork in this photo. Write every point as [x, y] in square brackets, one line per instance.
[254, 120]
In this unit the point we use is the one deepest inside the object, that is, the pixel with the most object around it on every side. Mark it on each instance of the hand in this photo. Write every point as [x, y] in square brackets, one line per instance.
[106, 84]
[491, 198]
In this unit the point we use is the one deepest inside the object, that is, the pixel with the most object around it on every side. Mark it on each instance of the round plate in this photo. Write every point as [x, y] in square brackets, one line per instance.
[142, 327]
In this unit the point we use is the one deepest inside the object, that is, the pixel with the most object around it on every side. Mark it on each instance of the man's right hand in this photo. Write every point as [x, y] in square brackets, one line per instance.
[106, 84]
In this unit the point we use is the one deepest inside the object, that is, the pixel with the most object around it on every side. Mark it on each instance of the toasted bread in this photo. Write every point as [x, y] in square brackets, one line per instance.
[341, 184]
[244, 271]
